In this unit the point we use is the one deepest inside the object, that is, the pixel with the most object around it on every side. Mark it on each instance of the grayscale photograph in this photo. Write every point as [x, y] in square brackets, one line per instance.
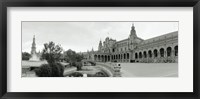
[99, 48]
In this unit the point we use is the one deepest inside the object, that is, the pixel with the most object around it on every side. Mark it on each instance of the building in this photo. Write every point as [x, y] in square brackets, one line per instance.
[161, 49]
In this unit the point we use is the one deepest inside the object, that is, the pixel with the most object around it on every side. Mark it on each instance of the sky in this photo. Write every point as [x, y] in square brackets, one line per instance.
[83, 36]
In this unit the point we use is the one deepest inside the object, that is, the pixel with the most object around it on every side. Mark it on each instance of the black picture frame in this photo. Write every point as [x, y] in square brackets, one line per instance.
[99, 3]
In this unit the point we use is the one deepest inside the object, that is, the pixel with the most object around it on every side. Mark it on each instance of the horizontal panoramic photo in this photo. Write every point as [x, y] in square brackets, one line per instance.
[99, 49]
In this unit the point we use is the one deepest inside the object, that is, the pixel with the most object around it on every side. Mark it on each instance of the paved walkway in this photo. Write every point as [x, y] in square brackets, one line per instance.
[145, 69]
[149, 69]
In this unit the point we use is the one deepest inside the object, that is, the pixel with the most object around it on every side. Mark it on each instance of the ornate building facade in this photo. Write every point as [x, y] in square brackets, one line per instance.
[161, 49]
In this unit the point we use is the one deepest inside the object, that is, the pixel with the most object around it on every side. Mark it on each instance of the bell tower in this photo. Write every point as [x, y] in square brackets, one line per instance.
[100, 45]
[132, 38]
[34, 56]
[33, 48]
[133, 32]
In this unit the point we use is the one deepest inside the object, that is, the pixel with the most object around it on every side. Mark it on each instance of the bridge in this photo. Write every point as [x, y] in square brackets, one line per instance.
[86, 62]
[108, 68]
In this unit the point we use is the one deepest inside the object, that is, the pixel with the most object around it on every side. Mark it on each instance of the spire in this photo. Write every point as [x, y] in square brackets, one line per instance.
[92, 49]
[34, 39]
[33, 48]
[133, 27]
[100, 45]
[133, 32]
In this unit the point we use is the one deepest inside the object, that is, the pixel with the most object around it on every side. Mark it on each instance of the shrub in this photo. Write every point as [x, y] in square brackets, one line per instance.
[44, 71]
[50, 70]
[78, 65]
[57, 70]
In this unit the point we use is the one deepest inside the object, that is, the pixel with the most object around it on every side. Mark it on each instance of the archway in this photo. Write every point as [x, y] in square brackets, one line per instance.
[169, 51]
[102, 58]
[124, 56]
[145, 54]
[95, 58]
[140, 55]
[150, 53]
[136, 55]
[120, 57]
[176, 50]
[127, 55]
[155, 52]
[162, 52]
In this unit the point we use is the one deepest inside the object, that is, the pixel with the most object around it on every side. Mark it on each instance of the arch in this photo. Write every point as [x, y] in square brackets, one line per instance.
[102, 58]
[124, 56]
[155, 53]
[169, 51]
[162, 52]
[145, 54]
[98, 57]
[150, 53]
[140, 55]
[127, 55]
[176, 50]
[95, 57]
[118, 56]
[136, 55]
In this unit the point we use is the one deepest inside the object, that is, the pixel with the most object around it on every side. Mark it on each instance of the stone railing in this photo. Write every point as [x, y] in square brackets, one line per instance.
[107, 68]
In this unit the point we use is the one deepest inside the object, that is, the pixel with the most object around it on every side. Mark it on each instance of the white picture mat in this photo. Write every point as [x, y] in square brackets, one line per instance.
[182, 83]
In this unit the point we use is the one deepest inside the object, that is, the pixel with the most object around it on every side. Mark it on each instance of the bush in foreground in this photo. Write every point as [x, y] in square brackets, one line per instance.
[50, 70]
[57, 70]
[44, 71]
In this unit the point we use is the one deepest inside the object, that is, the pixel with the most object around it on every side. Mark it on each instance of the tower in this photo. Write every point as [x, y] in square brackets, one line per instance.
[33, 48]
[100, 45]
[34, 55]
[132, 38]
[133, 32]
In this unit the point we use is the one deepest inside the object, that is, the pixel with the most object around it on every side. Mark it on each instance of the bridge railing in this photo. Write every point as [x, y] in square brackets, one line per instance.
[108, 68]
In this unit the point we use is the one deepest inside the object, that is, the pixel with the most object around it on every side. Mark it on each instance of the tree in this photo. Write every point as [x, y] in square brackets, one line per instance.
[26, 56]
[51, 52]
[73, 59]
[79, 57]
[70, 56]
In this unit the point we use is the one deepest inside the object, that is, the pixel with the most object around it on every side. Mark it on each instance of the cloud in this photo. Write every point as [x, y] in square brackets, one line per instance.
[82, 36]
